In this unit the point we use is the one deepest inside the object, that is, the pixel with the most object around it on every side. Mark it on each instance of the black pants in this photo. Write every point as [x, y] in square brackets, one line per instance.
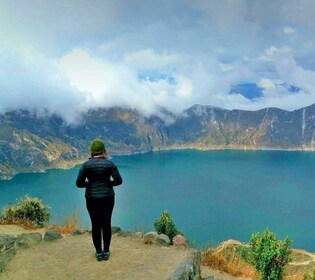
[100, 210]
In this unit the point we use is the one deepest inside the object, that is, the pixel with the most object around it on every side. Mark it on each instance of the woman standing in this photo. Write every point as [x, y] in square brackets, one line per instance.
[98, 176]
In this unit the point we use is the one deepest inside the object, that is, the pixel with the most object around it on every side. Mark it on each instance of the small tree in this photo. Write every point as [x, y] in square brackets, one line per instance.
[27, 209]
[166, 225]
[269, 255]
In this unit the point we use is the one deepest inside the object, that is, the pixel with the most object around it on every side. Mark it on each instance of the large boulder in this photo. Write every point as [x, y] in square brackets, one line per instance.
[27, 240]
[78, 232]
[123, 233]
[52, 235]
[7, 250]
[190, 269]
[6, 242]
[115, 229]
[150, 238]
[163, 240]
[180, 241]
[138, 234]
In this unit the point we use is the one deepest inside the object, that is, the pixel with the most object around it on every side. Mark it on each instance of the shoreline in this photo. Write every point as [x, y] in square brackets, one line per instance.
[65, 165]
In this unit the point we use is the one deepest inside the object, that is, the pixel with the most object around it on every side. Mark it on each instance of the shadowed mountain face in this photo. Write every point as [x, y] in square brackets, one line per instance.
[31, 143]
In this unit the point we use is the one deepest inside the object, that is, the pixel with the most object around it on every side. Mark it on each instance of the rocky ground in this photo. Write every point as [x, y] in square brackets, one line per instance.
[72, 257]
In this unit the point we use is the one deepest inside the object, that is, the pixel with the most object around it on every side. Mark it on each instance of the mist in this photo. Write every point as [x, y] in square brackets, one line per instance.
[68, 58]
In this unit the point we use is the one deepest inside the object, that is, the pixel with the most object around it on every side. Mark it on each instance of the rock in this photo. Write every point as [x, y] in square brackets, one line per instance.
[115, 230]
[190, 269]
[27, 240]
[150, 238]
[7, 250]
[6, 242]
[78, 232]
[138, 234]
[182, 272]
[163, 240]
[124, 233]
[179, 241]
[52, 235]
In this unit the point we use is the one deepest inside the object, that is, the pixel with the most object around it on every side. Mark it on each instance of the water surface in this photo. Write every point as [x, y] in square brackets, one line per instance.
[211, 195]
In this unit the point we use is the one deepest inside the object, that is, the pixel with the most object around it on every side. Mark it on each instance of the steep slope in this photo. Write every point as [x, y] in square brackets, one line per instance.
[31, 142]
[269, 128]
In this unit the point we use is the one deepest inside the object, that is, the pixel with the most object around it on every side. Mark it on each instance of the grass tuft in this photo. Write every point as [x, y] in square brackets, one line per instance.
[24, 223]
[71, 223]
[234, 265]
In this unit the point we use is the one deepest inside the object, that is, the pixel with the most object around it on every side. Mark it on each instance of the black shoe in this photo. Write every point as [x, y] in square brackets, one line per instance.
[106, 256]
[99, 256]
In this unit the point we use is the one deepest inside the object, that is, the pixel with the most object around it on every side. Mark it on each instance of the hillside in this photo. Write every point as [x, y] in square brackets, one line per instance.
[32, 142]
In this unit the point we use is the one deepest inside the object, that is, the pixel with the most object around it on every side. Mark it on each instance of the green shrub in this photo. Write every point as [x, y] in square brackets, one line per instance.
[27, 209]
[269, 255]
[309, 276]
[166, 225]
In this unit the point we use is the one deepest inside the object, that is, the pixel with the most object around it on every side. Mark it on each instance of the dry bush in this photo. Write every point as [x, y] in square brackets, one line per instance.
[214, 260]
[71, 223]
[234, 266]
[24, 223]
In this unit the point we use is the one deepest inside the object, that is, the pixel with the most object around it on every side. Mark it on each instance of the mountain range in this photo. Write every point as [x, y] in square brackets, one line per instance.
[33, 142]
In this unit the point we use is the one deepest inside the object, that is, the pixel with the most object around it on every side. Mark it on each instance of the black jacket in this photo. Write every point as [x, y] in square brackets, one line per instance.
[95, 176]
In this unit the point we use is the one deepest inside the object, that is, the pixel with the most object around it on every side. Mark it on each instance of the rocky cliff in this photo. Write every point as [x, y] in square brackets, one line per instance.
[32, 142]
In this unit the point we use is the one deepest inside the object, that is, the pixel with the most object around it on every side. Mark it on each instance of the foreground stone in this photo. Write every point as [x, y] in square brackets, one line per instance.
[163, 240]
[115, 229]
[123, 233]
[150, 238]
[138, 235]
[27, 240]
[180, 241]
[189, 270]
[52, 235]
[78, 232]
[7, 250]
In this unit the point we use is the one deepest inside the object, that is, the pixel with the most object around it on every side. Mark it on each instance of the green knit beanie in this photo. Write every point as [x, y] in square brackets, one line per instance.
[97, 147]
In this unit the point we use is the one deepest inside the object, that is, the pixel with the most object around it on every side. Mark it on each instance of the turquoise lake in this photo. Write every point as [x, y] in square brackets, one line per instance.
[211, 195]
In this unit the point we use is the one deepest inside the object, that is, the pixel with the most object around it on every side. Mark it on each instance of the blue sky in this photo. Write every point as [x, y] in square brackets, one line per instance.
[68, 56]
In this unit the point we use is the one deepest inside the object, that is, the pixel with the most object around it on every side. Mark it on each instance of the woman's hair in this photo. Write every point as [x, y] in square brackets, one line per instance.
[104, 153]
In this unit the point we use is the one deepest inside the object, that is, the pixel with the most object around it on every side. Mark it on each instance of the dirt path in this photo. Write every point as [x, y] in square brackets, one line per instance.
[219, 275]
[73, 258]
[311, 255]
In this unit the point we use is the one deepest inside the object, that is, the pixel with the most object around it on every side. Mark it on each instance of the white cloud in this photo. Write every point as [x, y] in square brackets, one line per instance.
[106, 84]
[31, 80]
[185, 87]
[70, 56]
[149, 59]
[266, 83]
[289, 30]
[290, 72]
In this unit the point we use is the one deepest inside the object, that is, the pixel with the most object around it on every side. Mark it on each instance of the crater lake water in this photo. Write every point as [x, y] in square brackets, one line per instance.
[212, 196]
